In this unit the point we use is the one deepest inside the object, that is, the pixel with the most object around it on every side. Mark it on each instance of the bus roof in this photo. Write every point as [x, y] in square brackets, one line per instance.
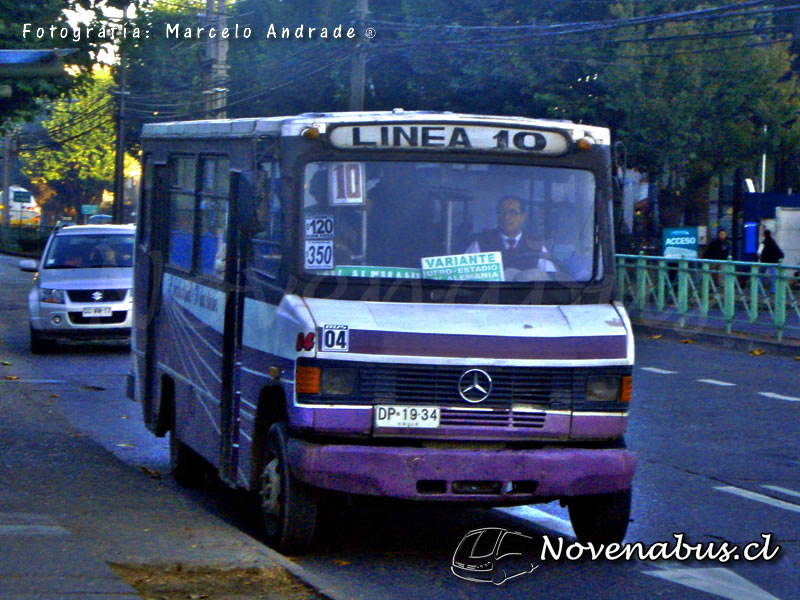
[293, 125]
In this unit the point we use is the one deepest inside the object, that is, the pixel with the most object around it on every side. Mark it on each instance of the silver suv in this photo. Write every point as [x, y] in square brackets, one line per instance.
[82, 289]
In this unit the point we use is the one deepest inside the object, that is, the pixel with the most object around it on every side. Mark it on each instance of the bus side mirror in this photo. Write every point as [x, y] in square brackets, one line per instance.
[28, 265]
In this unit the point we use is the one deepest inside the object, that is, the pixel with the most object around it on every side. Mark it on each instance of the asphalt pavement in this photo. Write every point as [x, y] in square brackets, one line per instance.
[69, 506]
[83, 485]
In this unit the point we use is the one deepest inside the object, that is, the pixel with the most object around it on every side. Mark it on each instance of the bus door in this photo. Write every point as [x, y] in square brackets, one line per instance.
[231, 339]
[149, 266]
[195, 328]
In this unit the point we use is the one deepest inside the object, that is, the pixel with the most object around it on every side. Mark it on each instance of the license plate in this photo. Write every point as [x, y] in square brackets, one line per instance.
[407, 416]
[97, 311]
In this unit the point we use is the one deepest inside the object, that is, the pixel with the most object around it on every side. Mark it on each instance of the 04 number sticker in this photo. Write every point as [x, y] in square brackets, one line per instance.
[335, 338]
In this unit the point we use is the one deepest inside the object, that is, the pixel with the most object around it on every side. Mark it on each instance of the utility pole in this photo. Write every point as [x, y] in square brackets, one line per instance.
[119, 159]
[7, 157]
[358, 72]
[216, 92]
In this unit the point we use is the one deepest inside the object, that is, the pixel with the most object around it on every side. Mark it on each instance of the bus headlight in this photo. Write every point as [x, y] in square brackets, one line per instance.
[51, 296]
[602, 388]
[338, 381]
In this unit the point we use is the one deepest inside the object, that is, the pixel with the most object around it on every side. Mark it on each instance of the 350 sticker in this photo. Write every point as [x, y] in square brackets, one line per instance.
[319, 254]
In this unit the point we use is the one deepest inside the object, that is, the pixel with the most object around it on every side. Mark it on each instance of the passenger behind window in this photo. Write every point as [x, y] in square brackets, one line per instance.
[103, 256]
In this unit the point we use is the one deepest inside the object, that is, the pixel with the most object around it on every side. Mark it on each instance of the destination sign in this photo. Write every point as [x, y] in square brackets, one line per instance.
[448, 137]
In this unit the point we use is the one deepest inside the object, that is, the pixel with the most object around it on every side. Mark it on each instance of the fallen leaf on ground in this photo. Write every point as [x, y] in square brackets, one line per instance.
[341, 563]
[54, 396]
[12, 377]
[150, 472]
[657, 336]
[757, 352]
[687, 341]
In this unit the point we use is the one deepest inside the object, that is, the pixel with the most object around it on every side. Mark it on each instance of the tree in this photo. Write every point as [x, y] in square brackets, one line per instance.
[695, 104]
[164, 74]
[75, 164]
[28, 93]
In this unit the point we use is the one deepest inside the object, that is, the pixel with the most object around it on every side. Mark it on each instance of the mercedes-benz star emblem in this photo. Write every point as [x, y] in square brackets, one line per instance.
[474, 385]
[97, 296]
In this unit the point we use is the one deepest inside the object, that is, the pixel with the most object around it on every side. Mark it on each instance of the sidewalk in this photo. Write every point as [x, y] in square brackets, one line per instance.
[70, 510]
[42, 556]
[749, 337]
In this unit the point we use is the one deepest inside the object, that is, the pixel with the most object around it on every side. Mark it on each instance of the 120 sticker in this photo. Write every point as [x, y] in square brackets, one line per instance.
[335, 338]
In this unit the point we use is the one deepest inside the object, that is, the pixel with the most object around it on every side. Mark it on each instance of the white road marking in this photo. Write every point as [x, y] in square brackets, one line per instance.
[759, 497]
[782, 490]
[779, 396]
[717, 382]
[29, 524]
[718, 581]
[659, 371]
[32, 530]
[32, 381]
[541, 518]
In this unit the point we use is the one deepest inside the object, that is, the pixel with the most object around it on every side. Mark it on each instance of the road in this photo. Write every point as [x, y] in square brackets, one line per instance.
[716, 432]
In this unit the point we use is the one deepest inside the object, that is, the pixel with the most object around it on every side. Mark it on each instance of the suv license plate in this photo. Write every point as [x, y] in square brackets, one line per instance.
[97, 311]
[407, 416]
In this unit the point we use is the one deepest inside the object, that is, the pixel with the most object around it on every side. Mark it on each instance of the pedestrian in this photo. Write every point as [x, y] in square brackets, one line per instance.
[718, 249]
[720, 246]
[770, 252]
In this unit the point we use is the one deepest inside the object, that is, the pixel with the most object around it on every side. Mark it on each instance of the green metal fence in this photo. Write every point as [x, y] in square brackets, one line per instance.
[739, 296]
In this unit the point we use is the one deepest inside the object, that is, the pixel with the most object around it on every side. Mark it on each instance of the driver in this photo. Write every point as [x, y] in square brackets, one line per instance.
[519, 249]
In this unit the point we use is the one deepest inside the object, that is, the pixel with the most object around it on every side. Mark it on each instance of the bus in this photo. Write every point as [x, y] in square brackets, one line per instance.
[22, 210]
[408, 305]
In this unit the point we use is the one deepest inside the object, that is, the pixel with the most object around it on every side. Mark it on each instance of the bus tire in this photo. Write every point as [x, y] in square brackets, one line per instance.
[288, 506]
[38, 345]
[600, 518]
[186, 465]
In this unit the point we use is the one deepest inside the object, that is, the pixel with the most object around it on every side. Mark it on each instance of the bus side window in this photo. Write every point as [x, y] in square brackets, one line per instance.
[214, 192]
[265, 244]
[181, 211]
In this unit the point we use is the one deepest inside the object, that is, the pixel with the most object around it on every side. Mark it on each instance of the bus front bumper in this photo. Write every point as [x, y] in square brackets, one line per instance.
[499, 476]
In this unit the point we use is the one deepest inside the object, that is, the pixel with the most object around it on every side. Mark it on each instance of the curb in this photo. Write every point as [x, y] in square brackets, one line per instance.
[732, 341]
[315, 582]
[20, 254]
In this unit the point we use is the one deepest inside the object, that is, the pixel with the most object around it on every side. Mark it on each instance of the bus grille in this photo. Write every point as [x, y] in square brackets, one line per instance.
[453, 417]
[545, 388]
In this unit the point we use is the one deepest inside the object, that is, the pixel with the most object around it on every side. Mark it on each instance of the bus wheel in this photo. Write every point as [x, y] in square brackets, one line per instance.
[186, 465]
[288, 506]
[602, 518]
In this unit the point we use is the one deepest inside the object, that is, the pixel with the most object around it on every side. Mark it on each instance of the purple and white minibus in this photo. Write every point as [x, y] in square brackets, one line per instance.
[414, 305]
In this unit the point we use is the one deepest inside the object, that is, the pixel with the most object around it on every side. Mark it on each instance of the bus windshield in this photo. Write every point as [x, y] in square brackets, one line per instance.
[449, 221]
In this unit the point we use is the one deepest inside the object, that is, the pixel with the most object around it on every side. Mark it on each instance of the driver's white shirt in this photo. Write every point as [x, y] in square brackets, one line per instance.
[543, 264]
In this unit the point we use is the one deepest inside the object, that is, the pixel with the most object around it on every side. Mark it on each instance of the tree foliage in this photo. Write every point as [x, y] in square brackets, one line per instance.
[76, 164]
[687, 86]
